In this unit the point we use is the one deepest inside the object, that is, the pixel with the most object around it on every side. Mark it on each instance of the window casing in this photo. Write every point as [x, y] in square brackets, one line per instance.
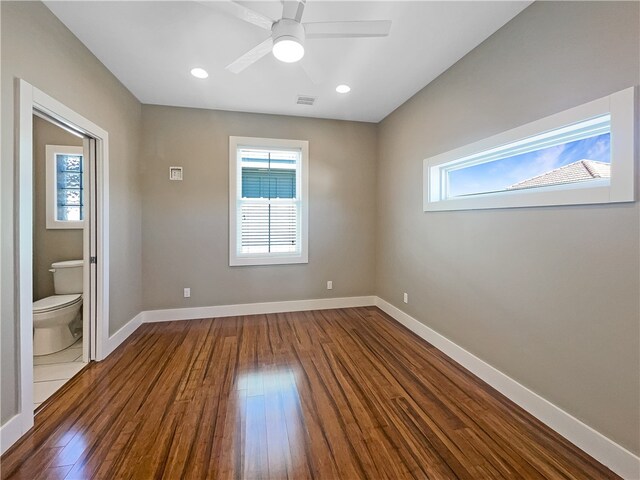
[583, 155]
[268, 201]
[64, 187]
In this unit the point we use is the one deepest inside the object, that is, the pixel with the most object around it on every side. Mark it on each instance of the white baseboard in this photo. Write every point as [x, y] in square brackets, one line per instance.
[617, 458]
[607, 452]
[20, 424]
[10, 432]
[122, 334]
[218, 311]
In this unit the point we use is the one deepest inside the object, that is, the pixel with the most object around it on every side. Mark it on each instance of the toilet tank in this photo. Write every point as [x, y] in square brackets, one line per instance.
[67, 277]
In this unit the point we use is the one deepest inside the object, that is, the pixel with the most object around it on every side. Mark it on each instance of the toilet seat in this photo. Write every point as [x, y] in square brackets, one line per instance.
[55, 302]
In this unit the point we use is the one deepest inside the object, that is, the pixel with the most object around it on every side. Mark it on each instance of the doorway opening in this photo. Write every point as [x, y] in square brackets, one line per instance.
[61, 213]
[78, 194]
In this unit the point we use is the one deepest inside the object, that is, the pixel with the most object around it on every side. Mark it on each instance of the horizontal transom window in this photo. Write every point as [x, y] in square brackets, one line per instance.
[582, 155]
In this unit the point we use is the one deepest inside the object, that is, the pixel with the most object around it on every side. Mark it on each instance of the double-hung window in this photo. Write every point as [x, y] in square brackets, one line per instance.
[268, 201]
[65, 186]
[579, 156]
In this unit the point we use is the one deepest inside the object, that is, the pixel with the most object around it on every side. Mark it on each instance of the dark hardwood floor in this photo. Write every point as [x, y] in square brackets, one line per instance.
[334, 394]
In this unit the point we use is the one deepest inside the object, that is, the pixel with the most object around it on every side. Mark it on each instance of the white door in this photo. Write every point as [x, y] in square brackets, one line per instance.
[90, 251]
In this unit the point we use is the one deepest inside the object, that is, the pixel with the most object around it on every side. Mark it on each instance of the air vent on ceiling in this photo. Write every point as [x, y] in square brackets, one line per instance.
[305, 100]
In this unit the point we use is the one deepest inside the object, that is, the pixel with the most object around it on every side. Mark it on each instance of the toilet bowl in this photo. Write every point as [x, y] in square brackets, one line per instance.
[57, 323]
[57, 320]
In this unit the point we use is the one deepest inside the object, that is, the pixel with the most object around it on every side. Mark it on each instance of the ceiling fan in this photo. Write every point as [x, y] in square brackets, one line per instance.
[288, 34]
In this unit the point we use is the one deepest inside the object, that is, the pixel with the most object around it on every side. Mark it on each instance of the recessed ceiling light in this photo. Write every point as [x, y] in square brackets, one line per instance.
[199, 72]
[288, 50]
[343, 88]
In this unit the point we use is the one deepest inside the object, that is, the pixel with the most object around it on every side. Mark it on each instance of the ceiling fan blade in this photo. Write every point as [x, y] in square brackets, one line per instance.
[293, 9]
[252, 56]
[243, 13]
[373, 28]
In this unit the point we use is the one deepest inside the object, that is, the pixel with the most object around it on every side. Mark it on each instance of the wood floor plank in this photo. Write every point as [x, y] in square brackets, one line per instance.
[346, 393]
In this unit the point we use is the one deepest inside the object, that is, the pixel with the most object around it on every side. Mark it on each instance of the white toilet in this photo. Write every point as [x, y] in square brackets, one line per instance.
[57, 320]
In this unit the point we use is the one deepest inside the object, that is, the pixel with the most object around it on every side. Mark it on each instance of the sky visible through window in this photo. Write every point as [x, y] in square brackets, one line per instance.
[500, 174]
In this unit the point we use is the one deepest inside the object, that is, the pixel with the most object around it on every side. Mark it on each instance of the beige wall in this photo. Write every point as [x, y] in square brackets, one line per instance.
[185, 224]
[49, 245]
[42, 51]
[549, 295]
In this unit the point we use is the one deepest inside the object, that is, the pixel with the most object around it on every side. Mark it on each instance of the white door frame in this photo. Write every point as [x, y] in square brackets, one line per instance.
[29, 98]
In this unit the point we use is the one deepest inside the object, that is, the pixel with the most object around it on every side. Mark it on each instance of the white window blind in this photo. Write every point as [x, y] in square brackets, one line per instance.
[268, 211]
[268, 202]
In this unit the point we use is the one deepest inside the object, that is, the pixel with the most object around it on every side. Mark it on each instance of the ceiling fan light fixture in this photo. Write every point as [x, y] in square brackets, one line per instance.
[288, 49]
[288, 40]
[288, 34]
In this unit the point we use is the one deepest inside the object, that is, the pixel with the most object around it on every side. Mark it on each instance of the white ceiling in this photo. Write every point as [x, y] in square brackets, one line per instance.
[151, 47]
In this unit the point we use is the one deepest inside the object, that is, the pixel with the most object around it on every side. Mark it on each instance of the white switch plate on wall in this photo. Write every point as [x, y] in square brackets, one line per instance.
[406, 297]
[175, 173]
[187, 292]
[329, 285]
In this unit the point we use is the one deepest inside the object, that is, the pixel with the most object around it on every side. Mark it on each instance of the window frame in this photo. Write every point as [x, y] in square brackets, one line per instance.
[620, 188]
[235, 189]
[51, 190]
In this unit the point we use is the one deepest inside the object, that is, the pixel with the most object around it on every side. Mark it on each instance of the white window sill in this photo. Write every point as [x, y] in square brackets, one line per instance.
[570, 194]
[267, 260]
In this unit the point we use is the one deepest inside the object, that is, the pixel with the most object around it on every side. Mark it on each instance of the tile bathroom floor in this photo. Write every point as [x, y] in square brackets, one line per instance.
[52, 371]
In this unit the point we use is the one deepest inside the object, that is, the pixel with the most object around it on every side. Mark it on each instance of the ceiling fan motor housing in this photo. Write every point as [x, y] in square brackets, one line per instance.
[287, 29]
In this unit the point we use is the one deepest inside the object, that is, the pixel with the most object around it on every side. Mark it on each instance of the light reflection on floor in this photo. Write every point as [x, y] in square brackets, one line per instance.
[268, 406]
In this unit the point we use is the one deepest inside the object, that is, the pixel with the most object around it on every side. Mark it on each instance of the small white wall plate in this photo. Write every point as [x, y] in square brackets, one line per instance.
[175, 173]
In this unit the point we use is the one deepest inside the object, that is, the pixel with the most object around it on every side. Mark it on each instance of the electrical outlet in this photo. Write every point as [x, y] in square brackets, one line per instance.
[330, 285]
[406, 297]
[187, 292]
